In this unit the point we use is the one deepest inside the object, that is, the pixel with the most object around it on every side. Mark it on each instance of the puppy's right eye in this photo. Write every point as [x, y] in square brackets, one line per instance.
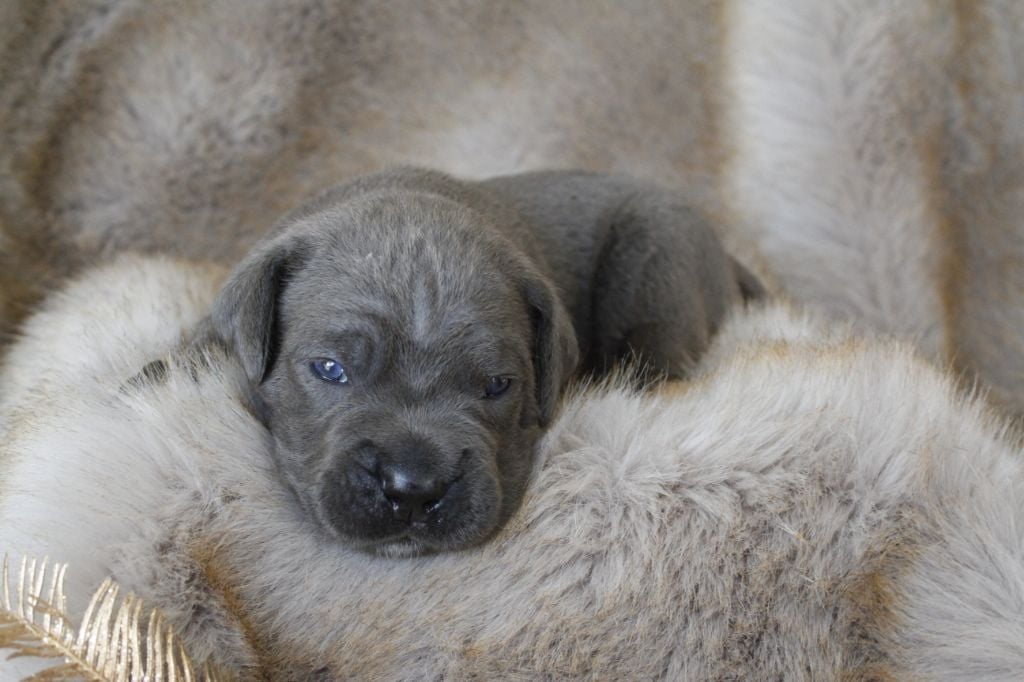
[496, 386]
[329, 370]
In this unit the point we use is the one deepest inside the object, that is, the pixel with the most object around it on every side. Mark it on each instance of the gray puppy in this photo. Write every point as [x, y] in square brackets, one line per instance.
[407, 335]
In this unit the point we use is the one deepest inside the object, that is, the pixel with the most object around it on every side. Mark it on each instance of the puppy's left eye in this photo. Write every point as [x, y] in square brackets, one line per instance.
[496, 386]
[329, 370]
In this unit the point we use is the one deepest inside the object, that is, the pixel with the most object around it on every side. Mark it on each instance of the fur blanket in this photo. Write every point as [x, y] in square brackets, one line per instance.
[821, 502]
[814, 505]
[867, 155]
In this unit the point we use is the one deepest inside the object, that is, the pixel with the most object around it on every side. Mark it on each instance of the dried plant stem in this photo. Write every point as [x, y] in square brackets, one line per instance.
[107, 647]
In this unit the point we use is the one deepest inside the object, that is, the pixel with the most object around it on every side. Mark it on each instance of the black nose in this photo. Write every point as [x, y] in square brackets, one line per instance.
[413, 497]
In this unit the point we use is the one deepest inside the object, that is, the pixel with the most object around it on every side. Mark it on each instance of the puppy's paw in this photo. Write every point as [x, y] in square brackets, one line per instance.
[194, 357]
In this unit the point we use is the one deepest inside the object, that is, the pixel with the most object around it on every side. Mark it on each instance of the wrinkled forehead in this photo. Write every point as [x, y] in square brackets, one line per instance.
[420, 306]
[392, 220]
[427, 270]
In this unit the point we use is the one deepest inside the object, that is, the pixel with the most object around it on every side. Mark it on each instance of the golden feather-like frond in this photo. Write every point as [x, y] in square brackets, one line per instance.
[110, 645]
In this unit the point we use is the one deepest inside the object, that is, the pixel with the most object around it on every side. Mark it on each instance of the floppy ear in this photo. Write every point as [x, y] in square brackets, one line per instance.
[245, 311]
[555, 349]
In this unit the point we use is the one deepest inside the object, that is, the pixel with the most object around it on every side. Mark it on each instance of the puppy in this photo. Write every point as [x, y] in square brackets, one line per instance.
[407, 335]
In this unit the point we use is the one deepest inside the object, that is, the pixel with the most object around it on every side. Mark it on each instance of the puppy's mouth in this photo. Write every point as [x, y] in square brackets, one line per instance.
[352, 508]
[399, 548]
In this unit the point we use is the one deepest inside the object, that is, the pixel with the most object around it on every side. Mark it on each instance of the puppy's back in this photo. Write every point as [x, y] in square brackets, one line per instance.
[641, 270]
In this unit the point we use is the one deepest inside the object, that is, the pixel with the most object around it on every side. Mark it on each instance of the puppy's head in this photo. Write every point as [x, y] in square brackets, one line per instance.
[406, 357]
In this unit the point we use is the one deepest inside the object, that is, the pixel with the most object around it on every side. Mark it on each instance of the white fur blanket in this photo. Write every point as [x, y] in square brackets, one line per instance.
[814, 505]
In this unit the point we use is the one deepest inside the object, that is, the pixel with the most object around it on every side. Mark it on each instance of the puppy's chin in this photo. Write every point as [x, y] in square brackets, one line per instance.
[398, 549]
[416, 541]
[412, 545]
[406, 546]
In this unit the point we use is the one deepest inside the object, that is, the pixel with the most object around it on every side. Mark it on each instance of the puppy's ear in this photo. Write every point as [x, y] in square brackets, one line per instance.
[750, 286]
[555, 348]
[245, 312]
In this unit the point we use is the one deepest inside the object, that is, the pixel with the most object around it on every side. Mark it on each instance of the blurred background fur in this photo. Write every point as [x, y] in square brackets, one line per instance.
[865, 155]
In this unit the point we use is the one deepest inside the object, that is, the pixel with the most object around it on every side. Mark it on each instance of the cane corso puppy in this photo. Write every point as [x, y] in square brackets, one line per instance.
[407, 335]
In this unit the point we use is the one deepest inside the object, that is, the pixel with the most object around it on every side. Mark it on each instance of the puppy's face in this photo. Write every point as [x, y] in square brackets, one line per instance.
[406, 371]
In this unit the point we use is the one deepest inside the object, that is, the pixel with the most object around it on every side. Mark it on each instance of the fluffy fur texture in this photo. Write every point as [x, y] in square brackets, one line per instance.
[813, 505]
[877, 156]
[869, 152]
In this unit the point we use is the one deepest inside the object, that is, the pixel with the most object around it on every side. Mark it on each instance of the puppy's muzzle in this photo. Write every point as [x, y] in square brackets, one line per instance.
[411, 479]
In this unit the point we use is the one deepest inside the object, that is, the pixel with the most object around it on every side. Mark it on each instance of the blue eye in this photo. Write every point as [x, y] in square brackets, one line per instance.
[496, 386]
[329, 370]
